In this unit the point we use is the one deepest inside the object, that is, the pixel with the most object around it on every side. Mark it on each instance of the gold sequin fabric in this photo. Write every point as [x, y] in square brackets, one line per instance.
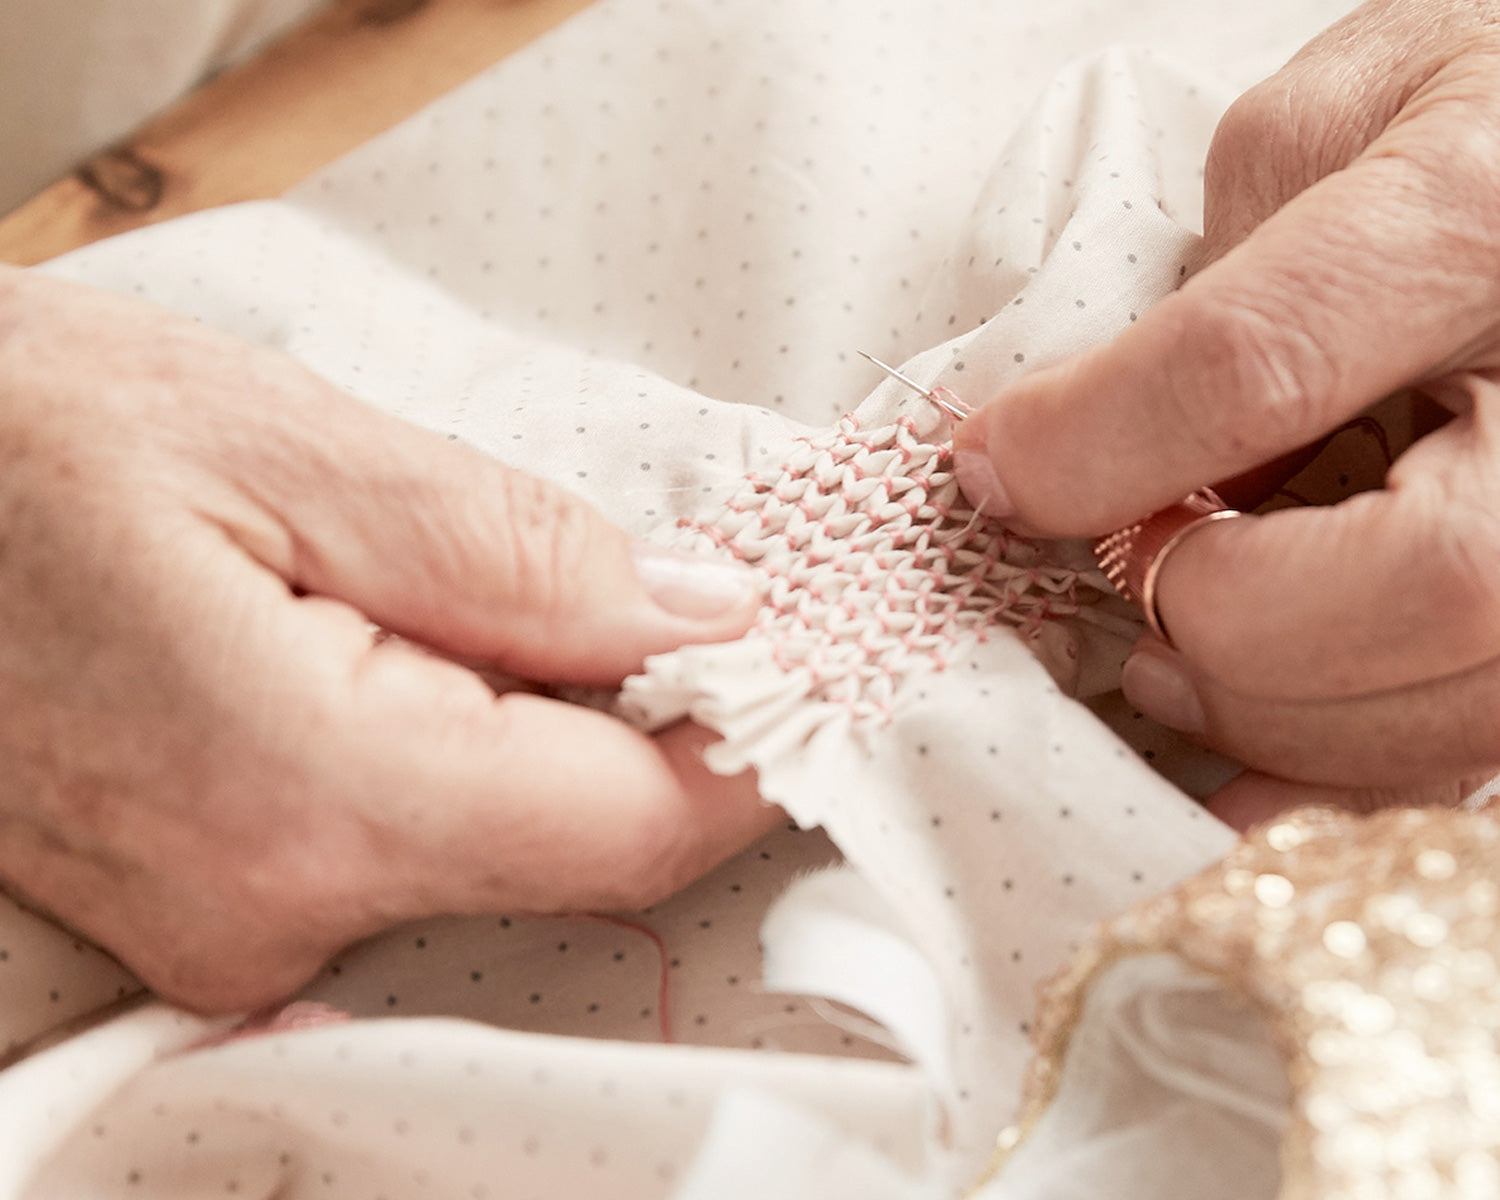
[1372, 945]
[876, 566]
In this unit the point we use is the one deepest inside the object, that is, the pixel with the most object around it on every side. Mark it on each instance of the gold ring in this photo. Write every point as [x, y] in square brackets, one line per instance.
[1132, 558]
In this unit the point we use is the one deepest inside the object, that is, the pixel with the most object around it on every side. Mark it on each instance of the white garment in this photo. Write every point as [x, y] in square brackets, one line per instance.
[638, 258]
[76, 75]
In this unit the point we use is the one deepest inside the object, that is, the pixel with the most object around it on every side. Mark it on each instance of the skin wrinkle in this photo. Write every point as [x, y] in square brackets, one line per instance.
[1238, 342]
[452, 519]
[234, 782]
[1298, 136]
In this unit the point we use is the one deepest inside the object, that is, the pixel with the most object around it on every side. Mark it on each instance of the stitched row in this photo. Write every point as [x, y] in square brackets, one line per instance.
[875, 564]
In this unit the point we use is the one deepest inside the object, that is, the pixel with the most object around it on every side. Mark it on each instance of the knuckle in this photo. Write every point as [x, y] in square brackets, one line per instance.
[1261, 151]
[1240, 141]
[1277, 140]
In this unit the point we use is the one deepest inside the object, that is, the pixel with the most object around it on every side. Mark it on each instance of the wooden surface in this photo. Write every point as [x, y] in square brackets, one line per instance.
[352, 71]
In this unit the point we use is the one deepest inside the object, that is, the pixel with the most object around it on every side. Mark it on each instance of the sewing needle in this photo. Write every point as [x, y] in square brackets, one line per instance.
[950, 403]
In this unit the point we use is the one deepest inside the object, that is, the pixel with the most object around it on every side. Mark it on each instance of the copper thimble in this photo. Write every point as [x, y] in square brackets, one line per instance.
[1132, 558]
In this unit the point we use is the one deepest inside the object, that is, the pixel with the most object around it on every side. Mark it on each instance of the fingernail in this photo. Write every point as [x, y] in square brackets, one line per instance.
[980, 484]
[1163, 693]
[688, 585]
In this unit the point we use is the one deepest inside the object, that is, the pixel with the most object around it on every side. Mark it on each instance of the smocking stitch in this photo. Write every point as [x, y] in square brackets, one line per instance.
[876, 566]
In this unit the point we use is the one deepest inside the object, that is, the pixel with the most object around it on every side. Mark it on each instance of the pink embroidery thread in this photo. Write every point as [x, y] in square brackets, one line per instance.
[875, 564]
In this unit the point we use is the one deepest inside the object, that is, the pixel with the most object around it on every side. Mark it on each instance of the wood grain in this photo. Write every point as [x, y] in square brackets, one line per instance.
[351, 72]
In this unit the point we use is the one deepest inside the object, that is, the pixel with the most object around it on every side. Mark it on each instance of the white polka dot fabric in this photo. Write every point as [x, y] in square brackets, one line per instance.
[638, 258]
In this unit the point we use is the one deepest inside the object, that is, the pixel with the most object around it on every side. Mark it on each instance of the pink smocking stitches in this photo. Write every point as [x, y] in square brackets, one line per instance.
[876, 565]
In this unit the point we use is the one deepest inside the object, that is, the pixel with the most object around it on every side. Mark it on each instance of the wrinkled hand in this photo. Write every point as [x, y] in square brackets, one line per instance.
[1351, 653]
[205, 762]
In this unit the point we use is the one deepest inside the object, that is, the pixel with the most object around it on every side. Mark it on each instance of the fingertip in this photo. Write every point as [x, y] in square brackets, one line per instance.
[980, 483]
[1157, 682]
[1044, 456]
[1251, 798]
[652, 601]
[983, 447]
[720, 593]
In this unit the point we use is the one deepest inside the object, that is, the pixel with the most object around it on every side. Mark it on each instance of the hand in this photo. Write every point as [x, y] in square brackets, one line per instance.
[207, 765]
[1352, 247]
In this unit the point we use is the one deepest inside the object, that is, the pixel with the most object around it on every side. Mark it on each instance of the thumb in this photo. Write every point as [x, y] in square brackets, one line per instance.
[1369, 280]
[448, 548]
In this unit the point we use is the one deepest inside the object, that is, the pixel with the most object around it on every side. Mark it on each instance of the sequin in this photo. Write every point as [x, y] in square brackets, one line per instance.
[1274, 891]
[1372, 943]
[1475, 968]
[1483, 898]
[1330, 1047]
[1391, 910]
[1345, 938]
[1436, 864]
[1431, 982]
[1370, 1015]
[1425, 929]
